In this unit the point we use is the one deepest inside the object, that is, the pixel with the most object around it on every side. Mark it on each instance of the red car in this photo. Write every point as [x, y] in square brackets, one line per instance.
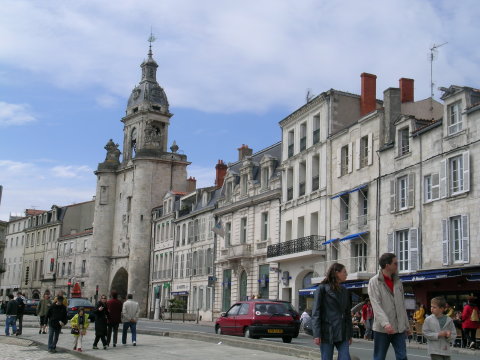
[255, 319]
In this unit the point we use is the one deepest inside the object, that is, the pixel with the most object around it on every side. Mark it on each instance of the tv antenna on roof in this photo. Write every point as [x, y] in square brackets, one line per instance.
[309, 96]
[433, 56]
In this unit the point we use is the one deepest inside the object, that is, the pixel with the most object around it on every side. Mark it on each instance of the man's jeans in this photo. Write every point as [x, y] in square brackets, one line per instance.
[133, 328]
[382, 341]
[53, 334]
[326, 350]
[10, 321]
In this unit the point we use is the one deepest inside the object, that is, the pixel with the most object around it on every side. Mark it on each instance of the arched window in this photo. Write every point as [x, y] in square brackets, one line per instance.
[307, 280]
[133, 141]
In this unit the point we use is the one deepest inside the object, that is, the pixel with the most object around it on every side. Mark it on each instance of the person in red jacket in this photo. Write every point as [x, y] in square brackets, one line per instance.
[367, 319]
[468, 325]
[114, 307]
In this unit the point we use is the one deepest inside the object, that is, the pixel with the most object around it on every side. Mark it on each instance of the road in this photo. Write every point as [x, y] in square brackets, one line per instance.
[360, 348]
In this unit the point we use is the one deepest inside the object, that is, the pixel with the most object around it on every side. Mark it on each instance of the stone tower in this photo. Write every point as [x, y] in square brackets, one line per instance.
[128, 189]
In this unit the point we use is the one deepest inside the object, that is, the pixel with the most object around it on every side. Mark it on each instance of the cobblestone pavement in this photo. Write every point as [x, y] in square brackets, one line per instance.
[21, 349]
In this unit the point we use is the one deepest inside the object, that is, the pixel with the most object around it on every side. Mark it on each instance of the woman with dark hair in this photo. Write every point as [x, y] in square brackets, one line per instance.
[331, 318]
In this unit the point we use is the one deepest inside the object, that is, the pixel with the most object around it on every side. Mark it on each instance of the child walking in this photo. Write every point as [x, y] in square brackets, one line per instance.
[439, 330]
[79, 324]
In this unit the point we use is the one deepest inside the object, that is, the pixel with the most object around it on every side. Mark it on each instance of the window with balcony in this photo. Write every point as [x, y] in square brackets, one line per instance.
[288, 230]
[264, 234]
[314, 223]
[456, 240]
[243, 230]
[359, 255]
[403, 141]
[300, 227]
[303, 136]
[454, 117]
[291, 143]
[302, 174]
[363, 207]
[315, 172]
[316, 129]
[344, 212]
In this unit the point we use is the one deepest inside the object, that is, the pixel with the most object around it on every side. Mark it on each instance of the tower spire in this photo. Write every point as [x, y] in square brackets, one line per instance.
[151, 39]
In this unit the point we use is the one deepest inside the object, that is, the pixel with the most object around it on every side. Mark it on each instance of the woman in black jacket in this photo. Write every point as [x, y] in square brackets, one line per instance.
[331, 318]
[101, 314]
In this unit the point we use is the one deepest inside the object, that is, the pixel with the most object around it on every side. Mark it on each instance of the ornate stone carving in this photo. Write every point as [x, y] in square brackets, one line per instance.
[113, 154]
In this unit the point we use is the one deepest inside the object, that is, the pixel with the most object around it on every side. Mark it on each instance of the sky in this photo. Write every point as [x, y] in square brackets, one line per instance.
[231, 71]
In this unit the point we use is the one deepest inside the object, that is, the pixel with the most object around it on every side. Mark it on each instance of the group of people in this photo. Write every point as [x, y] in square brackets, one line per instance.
[384, 312]
[108, 315]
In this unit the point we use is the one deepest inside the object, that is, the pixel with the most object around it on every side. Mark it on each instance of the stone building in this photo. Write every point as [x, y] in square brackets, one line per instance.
[129, 188]
[249, 213]
[73, 254]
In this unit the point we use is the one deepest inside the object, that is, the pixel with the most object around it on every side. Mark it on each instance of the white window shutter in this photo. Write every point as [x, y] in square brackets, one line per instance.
[393, 200]
[339, 161]
[411, 190]
[357, 153]
[414, 249]
[390, 243]
[350, 157]
[443, 179]
[466, 171]
[445, 244]
[465, 240]
[435, 186]
[370, 149]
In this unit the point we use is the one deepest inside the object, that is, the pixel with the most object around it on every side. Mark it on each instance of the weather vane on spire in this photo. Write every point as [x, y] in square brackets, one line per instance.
[151, 39]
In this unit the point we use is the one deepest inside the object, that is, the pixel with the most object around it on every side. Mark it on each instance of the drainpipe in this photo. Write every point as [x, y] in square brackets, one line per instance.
[377, 213]
[420, 210]
[150, 287]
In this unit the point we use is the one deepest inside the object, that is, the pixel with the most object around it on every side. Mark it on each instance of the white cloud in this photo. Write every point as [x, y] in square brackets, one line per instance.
[107, 101]
[70, 171]
[15, 114]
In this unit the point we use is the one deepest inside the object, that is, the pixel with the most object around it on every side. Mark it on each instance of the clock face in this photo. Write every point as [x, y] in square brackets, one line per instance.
[136, 93]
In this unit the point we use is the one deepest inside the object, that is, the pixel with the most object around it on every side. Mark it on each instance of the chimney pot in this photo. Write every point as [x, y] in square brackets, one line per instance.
[221, 171]
[406, 90]
[368, 97]
[243, 152]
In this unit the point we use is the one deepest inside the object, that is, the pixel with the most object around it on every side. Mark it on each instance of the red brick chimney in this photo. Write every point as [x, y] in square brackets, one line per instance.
[191, 184]
[244, 151]
[221, 170]
[406, 90]
[368, 97]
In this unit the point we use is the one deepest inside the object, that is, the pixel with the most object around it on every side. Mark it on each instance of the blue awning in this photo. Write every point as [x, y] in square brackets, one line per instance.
[431, 275]
[179, 293]
[355, 284]
[353, 236]
[329, 241]
[308, 291]
[473, 277]
[349, 191]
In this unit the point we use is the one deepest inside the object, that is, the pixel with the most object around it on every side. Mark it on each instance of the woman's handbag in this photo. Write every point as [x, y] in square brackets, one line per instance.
[75, 331]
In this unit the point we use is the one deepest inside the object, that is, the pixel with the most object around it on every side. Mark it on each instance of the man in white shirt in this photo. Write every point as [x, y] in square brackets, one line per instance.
[130, 311]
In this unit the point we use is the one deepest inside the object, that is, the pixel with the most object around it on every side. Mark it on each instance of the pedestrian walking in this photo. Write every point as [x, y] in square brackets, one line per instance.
[390, 322]
[419, 319]
[20, 310]
[42, 310]
[56, 317]
[130, 312]
[439, 330]
[11, 313]
[470, 321]
[80, 323]
[367, 319]
[114, 307]
[331, 318]
[101, 321]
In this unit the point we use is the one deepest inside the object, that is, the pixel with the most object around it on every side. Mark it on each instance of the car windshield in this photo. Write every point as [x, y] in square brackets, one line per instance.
[79, 302]
[271, 309]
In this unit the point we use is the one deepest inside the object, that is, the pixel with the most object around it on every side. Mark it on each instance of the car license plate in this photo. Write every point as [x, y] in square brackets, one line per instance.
[275, 331]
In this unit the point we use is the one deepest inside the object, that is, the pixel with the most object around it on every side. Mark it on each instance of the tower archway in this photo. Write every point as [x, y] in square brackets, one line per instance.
[120, 283]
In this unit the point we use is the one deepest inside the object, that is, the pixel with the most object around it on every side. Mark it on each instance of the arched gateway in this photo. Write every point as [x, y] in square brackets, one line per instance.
[120, 283]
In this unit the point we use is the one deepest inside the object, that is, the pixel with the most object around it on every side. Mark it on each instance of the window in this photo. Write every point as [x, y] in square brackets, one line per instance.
[288, 230]
[265, 177]
[316, 129]
[359, 257]
[182, 266]
[303, 136]
[344, 212]
[300, 227]
[291, 143]
[456, 240]
[243, 230]
[403, 141]
[431, 186]
[454, 118]
[402, 192]
[228, 234]
[264, 235]
[345, 159]
[84, 266]
[290, 184]
[364, 148]
[184, 233]
[405, 244]
[52, 264]
[315, 172]
[190, 232]
[363, 206]
[302, 174]
[63, 269]
[69, 268]
[456, 175]
[244, 184]
[229, 190]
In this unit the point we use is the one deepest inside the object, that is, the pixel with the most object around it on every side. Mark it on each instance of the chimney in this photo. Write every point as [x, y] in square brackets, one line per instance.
[243, 152]
[191, 184]
[221, 170]
[368, 97]
[406, 89]
[392, 108]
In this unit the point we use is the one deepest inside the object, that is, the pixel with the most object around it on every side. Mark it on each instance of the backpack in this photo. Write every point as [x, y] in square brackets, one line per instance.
[474, 315]
[20, 304]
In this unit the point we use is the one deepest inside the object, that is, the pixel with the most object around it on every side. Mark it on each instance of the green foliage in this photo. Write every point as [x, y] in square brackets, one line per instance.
[176, 306]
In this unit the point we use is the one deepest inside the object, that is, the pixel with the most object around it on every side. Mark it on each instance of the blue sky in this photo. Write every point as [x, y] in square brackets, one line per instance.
[231, 71]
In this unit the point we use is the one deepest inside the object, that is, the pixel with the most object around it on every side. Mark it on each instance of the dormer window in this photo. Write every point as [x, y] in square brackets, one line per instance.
[454, 118]
[229, 190]
[403, 141]
[265, 177]
[244, 184]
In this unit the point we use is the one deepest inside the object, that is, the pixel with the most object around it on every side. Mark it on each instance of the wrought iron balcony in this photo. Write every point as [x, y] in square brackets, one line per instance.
[312, 242]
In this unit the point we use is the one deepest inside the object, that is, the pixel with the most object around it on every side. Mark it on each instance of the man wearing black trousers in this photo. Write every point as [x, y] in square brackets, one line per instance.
[56, 317]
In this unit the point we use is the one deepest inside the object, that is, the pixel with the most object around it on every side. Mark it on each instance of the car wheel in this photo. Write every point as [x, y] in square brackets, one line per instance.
[287, 339]
[218, 330]
[247, 333]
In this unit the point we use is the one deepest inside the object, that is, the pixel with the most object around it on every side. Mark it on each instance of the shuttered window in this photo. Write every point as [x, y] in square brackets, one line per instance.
[455, 240]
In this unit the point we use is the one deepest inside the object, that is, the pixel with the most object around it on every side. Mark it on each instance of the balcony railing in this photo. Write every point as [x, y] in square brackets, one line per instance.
[236, 251]
[362, 221]
[290, 150]
[343, 226]
[301, 189]
[315, 183]
[312, 242]
[303, 143]
[316, 136]
[290, 193]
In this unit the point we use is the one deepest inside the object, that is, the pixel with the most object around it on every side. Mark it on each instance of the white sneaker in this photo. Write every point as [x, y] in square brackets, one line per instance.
[134, 343]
